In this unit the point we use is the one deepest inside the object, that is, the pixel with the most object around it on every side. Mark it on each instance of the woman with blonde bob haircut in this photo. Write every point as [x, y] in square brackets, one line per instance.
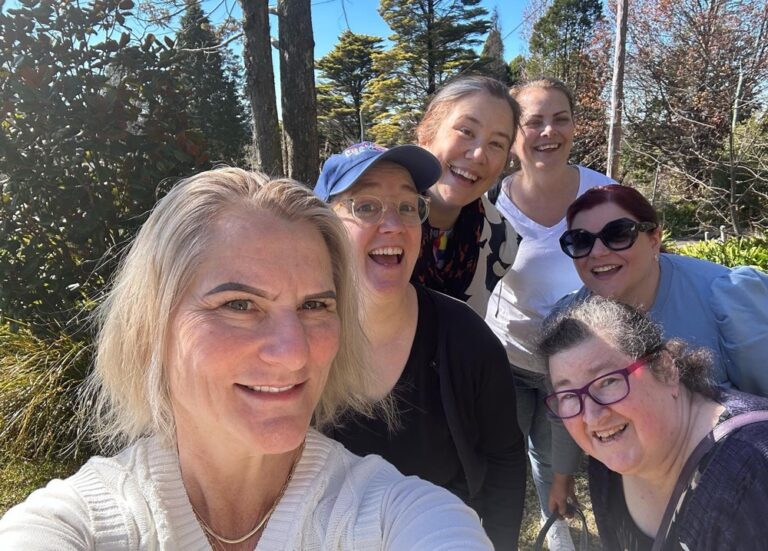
[230, 328]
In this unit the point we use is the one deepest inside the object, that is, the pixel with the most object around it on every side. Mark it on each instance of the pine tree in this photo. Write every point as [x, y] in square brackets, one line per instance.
[433, 41]
[345, 73]
[213, 103]
[561, 38]
[492, 56]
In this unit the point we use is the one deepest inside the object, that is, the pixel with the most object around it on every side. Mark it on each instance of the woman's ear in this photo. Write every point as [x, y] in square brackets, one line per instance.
[655, 237]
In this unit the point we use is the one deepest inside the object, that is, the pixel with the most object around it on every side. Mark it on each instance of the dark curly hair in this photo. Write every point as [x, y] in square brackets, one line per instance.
[635, 335]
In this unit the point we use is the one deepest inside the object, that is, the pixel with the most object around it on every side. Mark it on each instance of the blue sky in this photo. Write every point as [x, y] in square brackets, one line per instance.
[328, 22]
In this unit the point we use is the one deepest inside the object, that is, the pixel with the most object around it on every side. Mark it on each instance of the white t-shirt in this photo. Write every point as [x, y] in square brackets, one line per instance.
[539, 277]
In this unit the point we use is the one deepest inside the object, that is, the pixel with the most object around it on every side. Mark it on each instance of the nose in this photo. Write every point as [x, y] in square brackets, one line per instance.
[391, 221]
[476, 152]
[592, 410]
[599, 249]
[284, 342]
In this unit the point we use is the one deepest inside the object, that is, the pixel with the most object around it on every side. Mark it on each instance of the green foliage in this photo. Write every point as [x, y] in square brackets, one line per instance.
[90, 121]
[433, 40]
[737, 251]
[516, 69]
[19, 477]
[39, 392]
[209, 86]
[345, 73]
[561, 36]
[492, 57]
[570, 42]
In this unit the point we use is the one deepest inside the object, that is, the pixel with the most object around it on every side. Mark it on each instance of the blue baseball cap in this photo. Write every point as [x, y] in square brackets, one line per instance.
[341, 171]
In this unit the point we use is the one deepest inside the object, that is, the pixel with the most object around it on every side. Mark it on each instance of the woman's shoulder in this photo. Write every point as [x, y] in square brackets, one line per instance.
[463, 326]
[730, 499]
[91, 504]
[589, 178]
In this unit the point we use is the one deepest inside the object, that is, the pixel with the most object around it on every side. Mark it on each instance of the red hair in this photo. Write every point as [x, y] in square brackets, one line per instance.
[629, 199]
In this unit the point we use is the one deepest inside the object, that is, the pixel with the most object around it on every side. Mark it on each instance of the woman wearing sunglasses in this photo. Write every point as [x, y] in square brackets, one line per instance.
[433, 357]
[614, 239]
[640, 406]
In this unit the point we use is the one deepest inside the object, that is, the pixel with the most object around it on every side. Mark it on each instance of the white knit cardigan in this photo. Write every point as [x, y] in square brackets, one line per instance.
[336, 500]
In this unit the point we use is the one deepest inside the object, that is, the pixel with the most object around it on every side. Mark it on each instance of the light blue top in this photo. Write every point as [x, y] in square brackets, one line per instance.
[724, 309]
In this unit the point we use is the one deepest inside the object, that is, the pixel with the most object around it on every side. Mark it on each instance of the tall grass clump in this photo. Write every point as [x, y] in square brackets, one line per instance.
[39, 388]
[736, 251]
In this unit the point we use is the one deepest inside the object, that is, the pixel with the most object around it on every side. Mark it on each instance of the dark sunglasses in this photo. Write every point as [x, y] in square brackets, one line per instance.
[617, 235]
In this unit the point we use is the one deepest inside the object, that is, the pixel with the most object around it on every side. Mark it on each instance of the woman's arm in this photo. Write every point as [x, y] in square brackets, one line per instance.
[740, 304]
[54, 517]
[419, 515]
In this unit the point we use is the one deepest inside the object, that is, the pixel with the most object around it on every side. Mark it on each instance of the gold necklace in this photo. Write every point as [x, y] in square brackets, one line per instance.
[263, 521]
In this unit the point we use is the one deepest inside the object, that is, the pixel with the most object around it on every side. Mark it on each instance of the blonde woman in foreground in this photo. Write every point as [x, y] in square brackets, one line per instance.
[231, 327]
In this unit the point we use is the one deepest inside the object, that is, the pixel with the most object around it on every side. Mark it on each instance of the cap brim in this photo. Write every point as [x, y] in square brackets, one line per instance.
[423, 167]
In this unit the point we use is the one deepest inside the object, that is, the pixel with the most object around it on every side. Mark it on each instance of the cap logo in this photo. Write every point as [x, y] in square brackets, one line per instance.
[362, 148]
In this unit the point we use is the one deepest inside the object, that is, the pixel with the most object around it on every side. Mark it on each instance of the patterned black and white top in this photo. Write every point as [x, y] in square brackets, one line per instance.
[481, 248]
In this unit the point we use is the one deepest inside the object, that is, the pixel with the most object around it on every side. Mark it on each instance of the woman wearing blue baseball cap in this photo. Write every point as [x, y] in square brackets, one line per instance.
[434, 358]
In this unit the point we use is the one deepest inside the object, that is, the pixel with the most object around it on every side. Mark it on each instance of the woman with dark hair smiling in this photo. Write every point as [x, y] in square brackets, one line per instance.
[466, 246]
[614, 239]
[675, 462]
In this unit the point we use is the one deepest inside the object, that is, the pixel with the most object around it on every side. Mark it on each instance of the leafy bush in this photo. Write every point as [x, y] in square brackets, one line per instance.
[737, 251]
[39, 393]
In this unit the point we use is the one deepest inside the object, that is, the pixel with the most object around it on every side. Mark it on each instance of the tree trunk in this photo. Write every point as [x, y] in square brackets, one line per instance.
[617, 90]
[297, 84]
[260, 81]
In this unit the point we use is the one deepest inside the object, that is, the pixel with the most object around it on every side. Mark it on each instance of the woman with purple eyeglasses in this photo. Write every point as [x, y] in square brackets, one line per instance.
[640, 406]
[614, 239]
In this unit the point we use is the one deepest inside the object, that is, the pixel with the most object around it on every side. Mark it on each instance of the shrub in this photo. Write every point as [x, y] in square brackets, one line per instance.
[39, 394]
[736, 251]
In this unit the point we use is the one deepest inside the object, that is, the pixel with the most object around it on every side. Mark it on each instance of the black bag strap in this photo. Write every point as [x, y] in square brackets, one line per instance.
[683, 481]
[575, 511]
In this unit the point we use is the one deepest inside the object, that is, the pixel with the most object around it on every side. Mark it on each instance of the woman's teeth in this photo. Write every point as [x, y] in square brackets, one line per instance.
[387, 250]
[610, 434]
[608, 268]
[547, 147]
[272, 389]
[386, 255]
[464, 173]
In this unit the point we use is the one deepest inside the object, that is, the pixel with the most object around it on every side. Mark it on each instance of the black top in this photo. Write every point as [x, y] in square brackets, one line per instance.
[468, 388]
[423, 435]
[724, 509]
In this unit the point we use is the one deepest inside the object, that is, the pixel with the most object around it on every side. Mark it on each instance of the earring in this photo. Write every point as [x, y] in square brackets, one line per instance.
[656, 257]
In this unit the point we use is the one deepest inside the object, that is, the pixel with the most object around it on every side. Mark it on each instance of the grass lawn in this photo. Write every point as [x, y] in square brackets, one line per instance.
[18, 478]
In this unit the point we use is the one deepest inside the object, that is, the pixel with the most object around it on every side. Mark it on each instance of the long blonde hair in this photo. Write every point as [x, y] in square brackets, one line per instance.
[128, 390]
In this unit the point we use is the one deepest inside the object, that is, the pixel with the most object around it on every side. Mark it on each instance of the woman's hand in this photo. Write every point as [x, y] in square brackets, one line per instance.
[561, 492]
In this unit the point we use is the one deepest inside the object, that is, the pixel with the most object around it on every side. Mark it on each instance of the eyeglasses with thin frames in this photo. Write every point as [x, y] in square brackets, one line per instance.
[605, 390]
[617, 235]
[369, 209]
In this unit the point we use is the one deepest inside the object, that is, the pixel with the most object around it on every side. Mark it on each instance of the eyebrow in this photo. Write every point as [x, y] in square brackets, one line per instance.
[591, 372]
[539, 115]
[234, 286]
